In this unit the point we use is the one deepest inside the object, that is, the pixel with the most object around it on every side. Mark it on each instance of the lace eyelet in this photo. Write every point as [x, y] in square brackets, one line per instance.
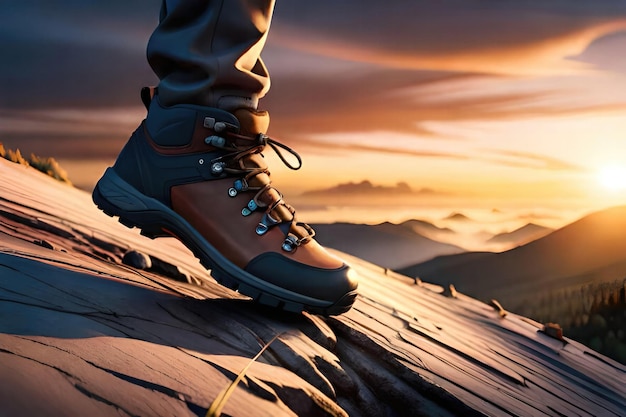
[217, 168]
[290, 244]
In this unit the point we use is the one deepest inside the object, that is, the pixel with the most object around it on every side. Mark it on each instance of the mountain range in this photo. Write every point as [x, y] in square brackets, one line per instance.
[399, 246]
[521, 236]
[592, 249]
[386, 244]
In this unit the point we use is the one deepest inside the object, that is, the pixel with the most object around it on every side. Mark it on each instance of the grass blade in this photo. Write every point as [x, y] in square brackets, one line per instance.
[215, 410]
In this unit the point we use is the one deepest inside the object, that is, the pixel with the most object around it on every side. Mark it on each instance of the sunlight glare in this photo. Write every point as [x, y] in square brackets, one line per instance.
[613, 178]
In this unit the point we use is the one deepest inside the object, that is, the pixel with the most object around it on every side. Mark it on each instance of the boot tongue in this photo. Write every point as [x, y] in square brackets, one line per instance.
[252, 122]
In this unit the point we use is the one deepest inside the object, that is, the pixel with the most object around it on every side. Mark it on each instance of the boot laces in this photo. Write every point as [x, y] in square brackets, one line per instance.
[239, 151]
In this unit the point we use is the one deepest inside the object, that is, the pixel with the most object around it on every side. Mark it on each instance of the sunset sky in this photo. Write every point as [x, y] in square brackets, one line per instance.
[491, 104]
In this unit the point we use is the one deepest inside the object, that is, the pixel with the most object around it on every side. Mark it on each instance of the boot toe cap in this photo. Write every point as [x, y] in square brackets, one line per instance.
[331, 285]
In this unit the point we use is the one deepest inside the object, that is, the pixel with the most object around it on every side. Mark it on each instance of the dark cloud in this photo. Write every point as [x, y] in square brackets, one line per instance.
[602, 52]
[78, 134]
[53, 74]
[78, 52]
[440, 27]
[333, 63]
[73, 53]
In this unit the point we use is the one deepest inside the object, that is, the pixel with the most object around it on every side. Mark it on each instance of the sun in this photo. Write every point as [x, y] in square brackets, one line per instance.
[613, 178]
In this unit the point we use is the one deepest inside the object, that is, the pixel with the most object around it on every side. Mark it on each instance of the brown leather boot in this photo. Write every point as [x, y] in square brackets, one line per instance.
[198, 173]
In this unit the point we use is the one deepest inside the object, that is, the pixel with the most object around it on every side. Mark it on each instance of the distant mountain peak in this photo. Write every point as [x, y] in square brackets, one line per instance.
[420, 226]
[366, 187]
[458, 217]
[522, 235]
[386, 244]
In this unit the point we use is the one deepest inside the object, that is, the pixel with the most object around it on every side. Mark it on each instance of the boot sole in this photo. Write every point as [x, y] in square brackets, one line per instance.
[116, 198]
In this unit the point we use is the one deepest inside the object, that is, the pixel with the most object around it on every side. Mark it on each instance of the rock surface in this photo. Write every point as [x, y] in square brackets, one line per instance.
[83, 334]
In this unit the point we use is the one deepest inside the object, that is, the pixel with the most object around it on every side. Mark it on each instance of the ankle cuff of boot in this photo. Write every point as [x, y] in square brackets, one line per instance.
[178, 125]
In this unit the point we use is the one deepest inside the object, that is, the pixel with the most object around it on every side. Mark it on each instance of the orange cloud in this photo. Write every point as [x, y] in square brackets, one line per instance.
[533, 161]
[407, 101]
[337, 147]
[550, 56]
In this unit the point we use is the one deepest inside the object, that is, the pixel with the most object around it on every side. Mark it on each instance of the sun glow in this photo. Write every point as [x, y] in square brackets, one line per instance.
[613, 178]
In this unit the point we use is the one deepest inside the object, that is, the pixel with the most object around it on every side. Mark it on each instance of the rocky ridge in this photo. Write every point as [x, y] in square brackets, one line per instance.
[82, 333]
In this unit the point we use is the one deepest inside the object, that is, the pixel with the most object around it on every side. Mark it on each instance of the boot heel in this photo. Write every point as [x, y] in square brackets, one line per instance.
[118, 195]
[116, 198]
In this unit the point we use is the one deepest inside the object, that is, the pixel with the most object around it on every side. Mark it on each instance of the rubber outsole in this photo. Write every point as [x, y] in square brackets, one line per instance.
[116, 198]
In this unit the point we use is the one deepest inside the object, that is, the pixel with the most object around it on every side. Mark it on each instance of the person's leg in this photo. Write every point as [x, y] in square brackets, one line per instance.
[194, 169]
[207, 52]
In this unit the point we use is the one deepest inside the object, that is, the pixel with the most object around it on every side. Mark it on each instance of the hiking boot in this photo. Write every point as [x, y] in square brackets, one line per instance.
[197, 173]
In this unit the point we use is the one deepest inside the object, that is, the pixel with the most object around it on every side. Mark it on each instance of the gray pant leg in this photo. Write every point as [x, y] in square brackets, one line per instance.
[207, 52]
